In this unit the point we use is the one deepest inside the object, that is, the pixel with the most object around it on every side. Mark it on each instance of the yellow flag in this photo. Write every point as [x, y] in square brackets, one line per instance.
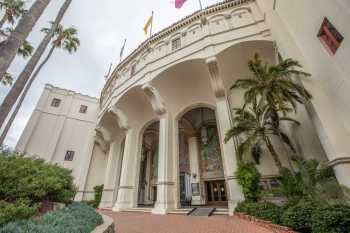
[148, 24]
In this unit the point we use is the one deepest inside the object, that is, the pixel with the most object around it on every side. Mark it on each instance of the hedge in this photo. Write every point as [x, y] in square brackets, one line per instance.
[262, 210]
[77, 218]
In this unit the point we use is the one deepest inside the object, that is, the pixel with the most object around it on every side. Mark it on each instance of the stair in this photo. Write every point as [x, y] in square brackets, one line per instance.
[139, 210]
[184, 211]
[221, 211]
[202, 212]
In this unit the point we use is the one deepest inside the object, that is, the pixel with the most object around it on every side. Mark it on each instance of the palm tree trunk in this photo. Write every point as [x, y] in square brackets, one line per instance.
[25, 91]
[3, 21]
[273, 153]
[16, 90]
[8, 50]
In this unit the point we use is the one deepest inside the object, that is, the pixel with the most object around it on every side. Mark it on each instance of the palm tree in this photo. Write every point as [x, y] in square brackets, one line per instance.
[274, 84]
[9, 48]
[255, 126]
[13, 9]
[14, 93]
[64, 38]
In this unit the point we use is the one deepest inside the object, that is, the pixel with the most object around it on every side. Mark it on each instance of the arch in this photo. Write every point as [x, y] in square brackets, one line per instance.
[180, 114]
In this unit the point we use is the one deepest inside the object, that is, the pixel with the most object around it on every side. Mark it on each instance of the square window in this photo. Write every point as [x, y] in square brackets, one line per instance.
[83, 108]
[176, 44]
[133, 69]
[55, 102]
[69, 155]
[330, 36]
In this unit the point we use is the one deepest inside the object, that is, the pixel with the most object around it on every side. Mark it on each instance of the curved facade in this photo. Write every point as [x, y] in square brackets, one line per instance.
[164, 111]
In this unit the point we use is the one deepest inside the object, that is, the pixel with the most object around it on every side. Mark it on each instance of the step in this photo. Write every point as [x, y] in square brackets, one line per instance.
[184, 211]
[139, 210]
[202, 212]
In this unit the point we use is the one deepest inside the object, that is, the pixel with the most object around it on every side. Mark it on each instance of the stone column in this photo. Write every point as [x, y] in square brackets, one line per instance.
[165, 185]
[148, 178]
[125, 197]
[223, 113]
[331, 132]
[85, 167]
[110, 175]
[193, 151]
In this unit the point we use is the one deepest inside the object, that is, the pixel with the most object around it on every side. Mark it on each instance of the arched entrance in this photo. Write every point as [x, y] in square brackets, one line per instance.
[147, 192]
[202, 179]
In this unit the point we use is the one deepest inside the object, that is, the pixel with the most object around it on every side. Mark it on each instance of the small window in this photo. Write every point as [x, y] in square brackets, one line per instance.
[330, 36]
[55, 102]
[133, 69]
[69, 155]
[176, 44]
[83, 109]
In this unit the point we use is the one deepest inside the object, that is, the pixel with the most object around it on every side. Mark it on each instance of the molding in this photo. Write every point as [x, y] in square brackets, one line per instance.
[155, 99]
[51, 87]
[338, 161]
[215, 79]
[121, 117]
[165, 183]
[126, 187]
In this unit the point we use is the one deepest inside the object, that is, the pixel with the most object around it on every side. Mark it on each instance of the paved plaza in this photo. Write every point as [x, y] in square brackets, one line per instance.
[148, 223]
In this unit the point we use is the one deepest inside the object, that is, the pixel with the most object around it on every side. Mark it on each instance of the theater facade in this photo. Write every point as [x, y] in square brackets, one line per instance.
[154, 138]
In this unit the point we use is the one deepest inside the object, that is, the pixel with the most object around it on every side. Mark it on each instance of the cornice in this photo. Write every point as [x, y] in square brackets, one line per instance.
[69, 92]
[172, 28]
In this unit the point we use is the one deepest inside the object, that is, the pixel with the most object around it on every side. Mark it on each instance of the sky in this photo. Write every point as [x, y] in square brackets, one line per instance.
[102, 27]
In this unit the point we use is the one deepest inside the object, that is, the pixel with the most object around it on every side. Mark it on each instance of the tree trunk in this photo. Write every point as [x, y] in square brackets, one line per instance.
[9, 49]
[273, 153]
[3, 21]
[25, 91]
[20, 83]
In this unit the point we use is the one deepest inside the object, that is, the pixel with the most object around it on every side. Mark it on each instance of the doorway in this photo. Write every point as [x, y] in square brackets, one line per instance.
[216, 193]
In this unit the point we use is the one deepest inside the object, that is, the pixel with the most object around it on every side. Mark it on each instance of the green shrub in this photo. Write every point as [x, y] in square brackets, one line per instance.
[249, 178]
[77, 217]
[299, 216]
[27, 182]
[98, 195]
[331, 219]
[21, 209]
[261, 210]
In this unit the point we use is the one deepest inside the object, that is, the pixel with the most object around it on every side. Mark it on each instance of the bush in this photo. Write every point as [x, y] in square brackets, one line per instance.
[261, 210]
[249, 178]
[98, 195]
[27, 182]
[76, 217]
[299, 216]
[331, 219]
[21, 209]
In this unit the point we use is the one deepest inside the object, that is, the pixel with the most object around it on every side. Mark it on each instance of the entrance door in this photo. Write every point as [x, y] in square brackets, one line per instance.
[216, 193]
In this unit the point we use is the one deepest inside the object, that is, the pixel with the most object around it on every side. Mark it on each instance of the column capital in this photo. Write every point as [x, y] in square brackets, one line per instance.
[103, 132]
[215, 77]
[101, 142]
[120, 116]
[155, 98]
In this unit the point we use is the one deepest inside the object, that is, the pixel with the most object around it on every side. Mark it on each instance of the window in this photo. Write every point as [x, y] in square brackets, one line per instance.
[83, 109]
[176, 44]
[69, 155]
[330, 36]
[133, 69]
[55, 102]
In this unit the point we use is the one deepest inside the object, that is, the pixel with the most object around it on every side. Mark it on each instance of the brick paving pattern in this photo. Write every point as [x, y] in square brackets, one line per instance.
[148, 223]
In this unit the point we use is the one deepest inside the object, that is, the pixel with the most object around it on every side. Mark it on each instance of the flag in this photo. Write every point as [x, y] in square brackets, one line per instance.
[148, 24]
[122, 50]
[179, 3]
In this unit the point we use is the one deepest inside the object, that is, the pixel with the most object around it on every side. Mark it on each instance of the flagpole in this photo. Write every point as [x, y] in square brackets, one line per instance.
[150, 34]
[122, 51]
[200, 4]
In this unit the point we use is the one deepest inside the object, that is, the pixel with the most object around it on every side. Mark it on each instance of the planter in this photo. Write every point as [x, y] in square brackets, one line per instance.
[106, 227]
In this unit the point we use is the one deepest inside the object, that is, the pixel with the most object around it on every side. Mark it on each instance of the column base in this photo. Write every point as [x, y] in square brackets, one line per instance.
[124, 199]
[79, 196]
[163, 208]
[197, 200]
[235, 194]
[341, 168]
[107, 199]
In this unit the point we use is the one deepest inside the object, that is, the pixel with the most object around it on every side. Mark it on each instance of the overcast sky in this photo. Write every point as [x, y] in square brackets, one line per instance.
[102, 25]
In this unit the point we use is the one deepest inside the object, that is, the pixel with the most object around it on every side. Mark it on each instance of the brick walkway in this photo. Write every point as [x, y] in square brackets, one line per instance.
[148, 223]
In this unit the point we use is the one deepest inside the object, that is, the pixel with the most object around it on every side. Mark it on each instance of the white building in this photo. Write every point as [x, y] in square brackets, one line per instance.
[155, 137]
